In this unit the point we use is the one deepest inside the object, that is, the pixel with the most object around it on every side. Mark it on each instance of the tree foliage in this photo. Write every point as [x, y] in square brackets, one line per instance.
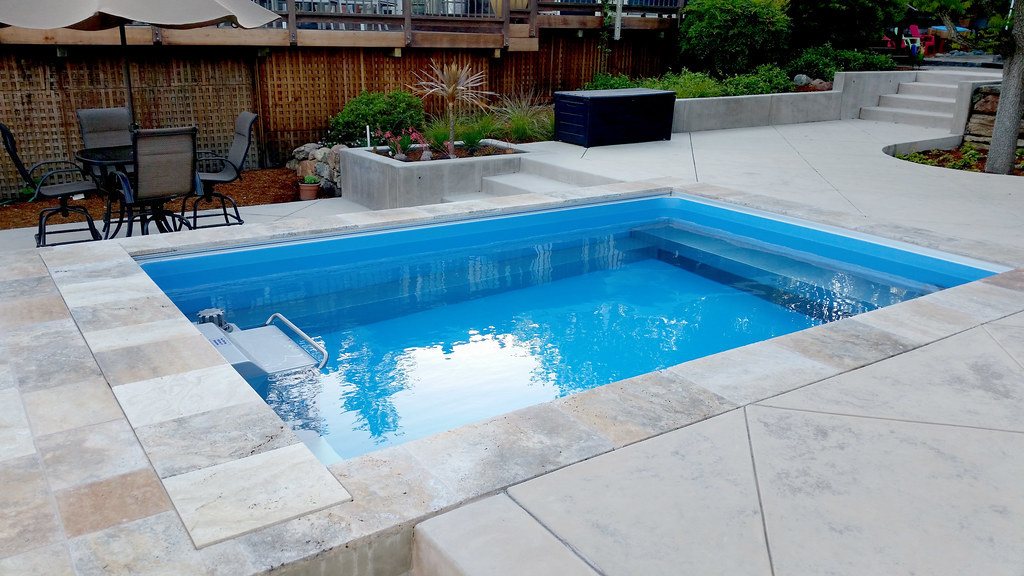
[727, 37]
[855, 24]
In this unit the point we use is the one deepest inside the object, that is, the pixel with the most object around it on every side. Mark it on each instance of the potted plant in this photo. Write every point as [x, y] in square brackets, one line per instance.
[309, 187]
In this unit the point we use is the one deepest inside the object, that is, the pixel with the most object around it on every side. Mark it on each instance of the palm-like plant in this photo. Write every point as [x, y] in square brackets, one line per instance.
[454, 85]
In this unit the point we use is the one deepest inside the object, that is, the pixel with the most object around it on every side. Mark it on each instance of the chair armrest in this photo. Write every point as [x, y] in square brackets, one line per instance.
[41, 182]
[67, 163]
[126, 186]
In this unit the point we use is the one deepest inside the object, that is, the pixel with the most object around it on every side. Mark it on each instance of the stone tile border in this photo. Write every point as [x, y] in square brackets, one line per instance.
[237, 511]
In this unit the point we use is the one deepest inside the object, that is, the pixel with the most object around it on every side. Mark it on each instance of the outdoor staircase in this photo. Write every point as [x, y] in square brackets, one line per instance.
[534, 176]
[930, 101]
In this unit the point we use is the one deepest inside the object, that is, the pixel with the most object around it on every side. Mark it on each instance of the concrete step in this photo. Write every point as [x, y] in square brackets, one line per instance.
[521, 183]
[492, 537]
[564, 171]
[918, 103]
[466, 196]
[902, 116]
[928, 89]
[954, 76]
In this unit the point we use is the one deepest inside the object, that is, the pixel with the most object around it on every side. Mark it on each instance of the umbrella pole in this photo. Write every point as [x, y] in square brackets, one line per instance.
[127, 74]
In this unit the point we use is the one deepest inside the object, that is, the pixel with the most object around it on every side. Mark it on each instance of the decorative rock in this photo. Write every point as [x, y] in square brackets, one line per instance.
[292, 164]
[305, 151]
[334, 155]
[319, 154]
[988, 104]
[305, 168]
[322, 170]
[801, 79]
[821, 85]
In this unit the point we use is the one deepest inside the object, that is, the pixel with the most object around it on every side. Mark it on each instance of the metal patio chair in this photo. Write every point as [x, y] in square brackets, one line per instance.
[105, 127]
[231, 167]
[49, 186]
[165, 170]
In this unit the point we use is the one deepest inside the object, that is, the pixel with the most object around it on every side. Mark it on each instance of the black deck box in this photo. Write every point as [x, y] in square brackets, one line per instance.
[602, 117]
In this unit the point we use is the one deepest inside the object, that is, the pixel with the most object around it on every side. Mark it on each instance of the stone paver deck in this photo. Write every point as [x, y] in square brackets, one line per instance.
[889, 443]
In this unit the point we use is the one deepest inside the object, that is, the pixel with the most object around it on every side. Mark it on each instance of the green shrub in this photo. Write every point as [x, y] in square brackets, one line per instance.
[471, 136]
[603, 81]
[524, 118]
[727, 37]
[917, 158]
[824, 61]
[436, 134]
[387, 112]
[687, 84]
[856, 24]
[766, 80]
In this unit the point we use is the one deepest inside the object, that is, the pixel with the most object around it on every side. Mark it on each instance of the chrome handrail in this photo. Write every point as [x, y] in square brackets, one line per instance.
[319, 347]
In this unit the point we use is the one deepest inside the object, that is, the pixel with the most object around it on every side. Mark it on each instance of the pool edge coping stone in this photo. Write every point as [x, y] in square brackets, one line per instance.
[404, 522]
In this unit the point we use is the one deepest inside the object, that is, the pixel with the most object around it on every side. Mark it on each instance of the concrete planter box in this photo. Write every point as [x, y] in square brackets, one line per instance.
[379, 182]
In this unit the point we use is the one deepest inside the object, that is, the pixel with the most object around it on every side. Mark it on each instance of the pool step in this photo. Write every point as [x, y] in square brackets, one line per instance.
[492, 537]
[792, 282]
[522, 183]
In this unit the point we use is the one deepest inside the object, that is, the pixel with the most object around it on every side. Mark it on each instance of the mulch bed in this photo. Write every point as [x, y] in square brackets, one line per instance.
[954, 159]
[256, 187]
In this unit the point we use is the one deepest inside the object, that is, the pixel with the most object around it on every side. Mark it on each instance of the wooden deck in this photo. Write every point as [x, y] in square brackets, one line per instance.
[482, 24]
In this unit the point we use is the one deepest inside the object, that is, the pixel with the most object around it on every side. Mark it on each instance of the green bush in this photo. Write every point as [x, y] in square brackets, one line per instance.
[824, 61]
[387, 112]
[766, 80]
[687, 84]
[436, 134]
[855, 24]
[471, 136]
[603, 81]
[524, 119]
[727, 37]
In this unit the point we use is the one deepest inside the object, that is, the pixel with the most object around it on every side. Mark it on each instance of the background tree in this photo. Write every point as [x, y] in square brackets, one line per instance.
[1002, 152]
[727, 37]
[843, 23]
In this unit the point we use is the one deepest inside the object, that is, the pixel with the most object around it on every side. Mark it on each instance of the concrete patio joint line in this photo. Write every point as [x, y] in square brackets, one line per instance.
[816, 171]
[757, 488]
[889, 419]
[563, 541]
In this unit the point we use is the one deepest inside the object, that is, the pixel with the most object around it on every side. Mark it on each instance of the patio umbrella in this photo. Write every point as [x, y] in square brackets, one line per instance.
[105, 14]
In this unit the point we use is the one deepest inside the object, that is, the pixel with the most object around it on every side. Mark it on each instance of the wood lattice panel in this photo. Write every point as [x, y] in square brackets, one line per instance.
[40, 92]
[294, 90]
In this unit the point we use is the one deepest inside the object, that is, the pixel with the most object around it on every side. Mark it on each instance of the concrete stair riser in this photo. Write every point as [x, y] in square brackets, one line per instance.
[926, 89]
[521, 183]
[918, 103]
[949, 77]
[904, 116]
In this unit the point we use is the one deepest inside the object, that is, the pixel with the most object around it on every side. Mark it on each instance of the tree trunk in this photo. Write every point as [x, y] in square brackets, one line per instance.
[954, 35]
[451, 130]
[1002, 152]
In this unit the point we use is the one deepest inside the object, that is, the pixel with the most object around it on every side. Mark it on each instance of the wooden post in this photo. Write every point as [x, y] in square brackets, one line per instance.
[533, 18]
[407, 12]
[293, 35]
[506, 11]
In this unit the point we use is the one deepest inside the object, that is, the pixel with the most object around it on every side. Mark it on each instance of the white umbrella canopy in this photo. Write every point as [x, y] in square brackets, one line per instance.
[103, 14]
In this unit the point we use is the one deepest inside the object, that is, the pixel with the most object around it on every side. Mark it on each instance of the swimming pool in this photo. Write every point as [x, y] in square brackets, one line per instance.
[432, 327]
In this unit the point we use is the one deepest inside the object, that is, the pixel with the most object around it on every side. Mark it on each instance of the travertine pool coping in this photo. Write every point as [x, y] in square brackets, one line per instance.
[246, 496]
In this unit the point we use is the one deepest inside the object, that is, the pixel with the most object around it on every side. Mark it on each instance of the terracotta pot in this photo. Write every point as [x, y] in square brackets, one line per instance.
[308, 191]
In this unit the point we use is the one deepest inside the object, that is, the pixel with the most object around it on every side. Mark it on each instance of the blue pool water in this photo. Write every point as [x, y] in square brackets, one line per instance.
[434, 327]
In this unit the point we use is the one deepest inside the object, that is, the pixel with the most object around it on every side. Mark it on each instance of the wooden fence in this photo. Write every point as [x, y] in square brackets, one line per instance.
[294, 90]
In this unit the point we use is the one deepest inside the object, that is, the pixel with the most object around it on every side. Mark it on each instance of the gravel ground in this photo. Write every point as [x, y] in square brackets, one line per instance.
[256, 187]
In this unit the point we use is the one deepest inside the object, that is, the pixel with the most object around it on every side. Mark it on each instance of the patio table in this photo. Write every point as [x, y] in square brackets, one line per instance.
[106, 161]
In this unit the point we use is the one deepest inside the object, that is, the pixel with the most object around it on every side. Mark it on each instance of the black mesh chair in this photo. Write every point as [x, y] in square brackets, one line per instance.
[105, 127]
[165, 170]
[61, 180]
[231, 167]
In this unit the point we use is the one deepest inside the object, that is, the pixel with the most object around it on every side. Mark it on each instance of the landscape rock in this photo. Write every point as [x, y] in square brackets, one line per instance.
[305, 151]
[319, 154]
[334, 155]
[322, 170]
[801, 79]
[821, 85]
[987, 104]
[305, 168]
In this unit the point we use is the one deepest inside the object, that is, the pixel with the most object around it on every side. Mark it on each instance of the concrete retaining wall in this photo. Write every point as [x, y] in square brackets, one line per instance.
[850, 92]
[379, 182]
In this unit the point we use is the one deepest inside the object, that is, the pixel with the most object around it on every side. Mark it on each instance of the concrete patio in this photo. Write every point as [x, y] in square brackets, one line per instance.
[891, 443]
